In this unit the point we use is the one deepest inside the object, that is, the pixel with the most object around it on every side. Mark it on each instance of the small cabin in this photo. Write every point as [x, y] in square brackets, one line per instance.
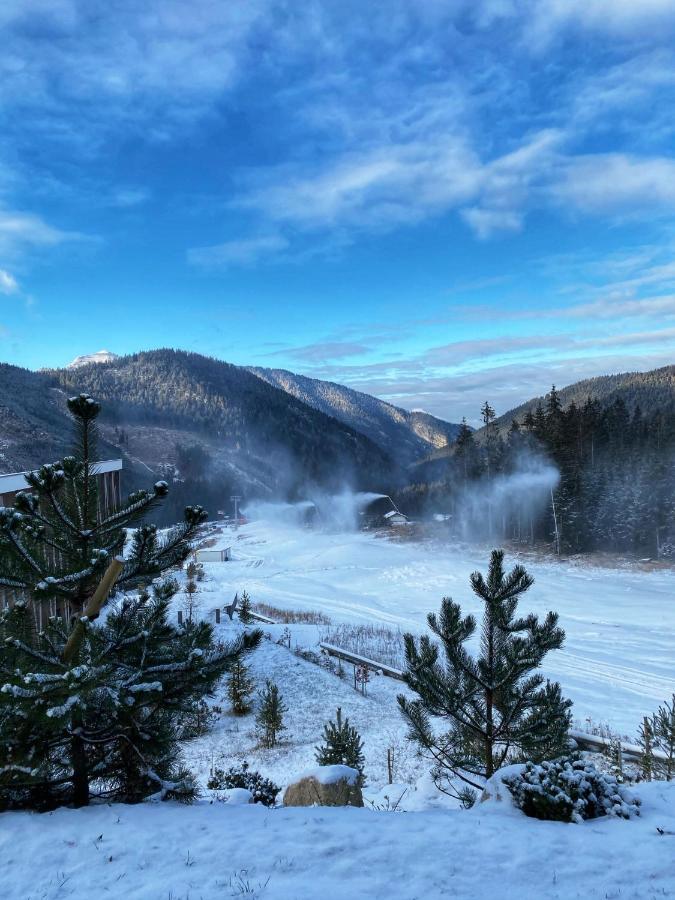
[379, 511]
[394, 517]
[213, 554]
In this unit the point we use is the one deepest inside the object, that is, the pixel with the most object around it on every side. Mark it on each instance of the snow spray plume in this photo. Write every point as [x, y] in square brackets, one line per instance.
[330, 512]
[508, 505]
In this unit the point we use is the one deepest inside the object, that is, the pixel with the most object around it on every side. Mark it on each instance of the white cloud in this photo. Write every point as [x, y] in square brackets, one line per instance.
[453, 394]
[323, 351]
[8, 283]
[402, 183]
[487, 222]
[237, 253]
[375, 189]
[618, 183]
[124, 62]
[20, 231]
[624, 18]
[127, 197]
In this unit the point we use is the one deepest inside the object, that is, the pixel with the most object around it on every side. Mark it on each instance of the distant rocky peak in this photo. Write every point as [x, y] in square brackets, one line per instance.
[101, 356]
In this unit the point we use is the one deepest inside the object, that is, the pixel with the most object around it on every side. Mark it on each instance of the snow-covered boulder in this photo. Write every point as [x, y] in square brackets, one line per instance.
[238, 796]
[325, 786]
[495, 790]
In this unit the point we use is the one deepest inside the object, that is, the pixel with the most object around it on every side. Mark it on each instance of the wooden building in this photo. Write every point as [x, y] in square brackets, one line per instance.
[379, 511]
[108, 476]
[213, 554]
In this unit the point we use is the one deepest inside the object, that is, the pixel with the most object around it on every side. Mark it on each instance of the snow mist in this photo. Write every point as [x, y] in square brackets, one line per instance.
[330, 512]
[507, 505]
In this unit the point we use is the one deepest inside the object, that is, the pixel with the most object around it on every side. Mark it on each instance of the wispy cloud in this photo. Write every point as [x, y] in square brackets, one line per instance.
[8, 283]
[243, 252]
[618, 183]
[323, 351]
[21, 230]
[451, 395]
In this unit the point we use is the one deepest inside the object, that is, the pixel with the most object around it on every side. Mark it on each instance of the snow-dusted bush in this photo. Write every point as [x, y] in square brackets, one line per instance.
[569, 790]
[264, 791]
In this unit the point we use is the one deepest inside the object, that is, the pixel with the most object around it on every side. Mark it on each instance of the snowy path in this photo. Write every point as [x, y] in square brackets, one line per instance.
[619, 659]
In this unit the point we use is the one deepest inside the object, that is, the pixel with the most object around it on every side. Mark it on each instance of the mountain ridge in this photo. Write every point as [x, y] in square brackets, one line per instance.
[414, 432]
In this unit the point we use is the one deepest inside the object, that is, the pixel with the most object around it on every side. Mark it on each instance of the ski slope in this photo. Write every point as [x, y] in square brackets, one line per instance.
[618, 662]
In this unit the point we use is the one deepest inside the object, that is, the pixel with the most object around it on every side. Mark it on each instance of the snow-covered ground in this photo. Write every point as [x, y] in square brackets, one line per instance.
[215, 851]
[312, 695]
[617, 664]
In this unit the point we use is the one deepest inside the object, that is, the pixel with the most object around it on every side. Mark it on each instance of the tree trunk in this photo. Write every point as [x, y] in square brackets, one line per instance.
[78, 760]
[489, 702]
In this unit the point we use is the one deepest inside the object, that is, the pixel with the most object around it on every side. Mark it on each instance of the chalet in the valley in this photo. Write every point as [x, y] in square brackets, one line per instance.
[379, 512]
[108, 474]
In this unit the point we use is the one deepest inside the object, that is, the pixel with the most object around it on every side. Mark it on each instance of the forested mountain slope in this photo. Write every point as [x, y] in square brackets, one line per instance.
[607, 457]
[409, 435]
[648, 391]
[242, 429]
[34, 426]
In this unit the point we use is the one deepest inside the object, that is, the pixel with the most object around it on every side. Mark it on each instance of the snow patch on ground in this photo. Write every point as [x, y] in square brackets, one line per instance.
[214, 851]
[330, 774]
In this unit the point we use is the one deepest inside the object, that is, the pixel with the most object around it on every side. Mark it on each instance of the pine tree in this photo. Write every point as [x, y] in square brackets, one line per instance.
[94, 709]
[465, 453]
[245, 616]
[491, 453]
[495, 705]
[646, 744]
[270, 718]
[661, 734]
[54, 543]
[191, 603]
[108, 724]
[342, 746]
[240, 688]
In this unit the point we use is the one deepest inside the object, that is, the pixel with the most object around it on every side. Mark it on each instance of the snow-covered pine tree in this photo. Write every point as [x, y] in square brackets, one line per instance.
[245, 616]
[270, 718]
[645, 742]
[55, 544]
[240, 687]
[108, 723]
[496, 705]
[191, 603]
[664, 737]
[656, 739]
[104, 718]
[342, 746]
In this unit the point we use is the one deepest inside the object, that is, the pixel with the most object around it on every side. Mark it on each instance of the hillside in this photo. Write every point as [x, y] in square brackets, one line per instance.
[588, 467]
[411, 435]
[242, 432]
[34, 425]
[650, 391]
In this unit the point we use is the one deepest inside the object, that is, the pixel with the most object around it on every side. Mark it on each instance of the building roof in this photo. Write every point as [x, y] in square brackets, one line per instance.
[16, 481]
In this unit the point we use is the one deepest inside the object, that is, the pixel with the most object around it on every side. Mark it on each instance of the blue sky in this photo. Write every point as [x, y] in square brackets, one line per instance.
[436, 202]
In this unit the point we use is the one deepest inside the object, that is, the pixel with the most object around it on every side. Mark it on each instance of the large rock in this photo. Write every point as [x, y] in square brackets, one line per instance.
[325, 786]
[496, 791]
[238, 796]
